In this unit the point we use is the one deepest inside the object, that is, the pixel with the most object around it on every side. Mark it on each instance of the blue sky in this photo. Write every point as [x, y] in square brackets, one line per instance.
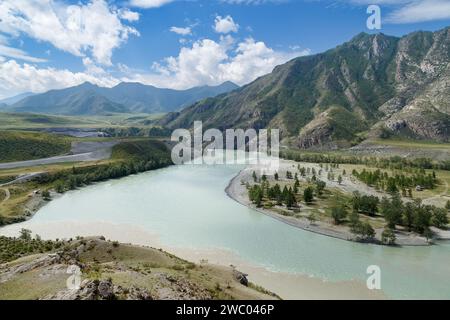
[49, 44]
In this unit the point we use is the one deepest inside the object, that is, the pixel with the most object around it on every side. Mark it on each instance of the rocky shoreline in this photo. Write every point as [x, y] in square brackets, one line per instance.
[37, 202]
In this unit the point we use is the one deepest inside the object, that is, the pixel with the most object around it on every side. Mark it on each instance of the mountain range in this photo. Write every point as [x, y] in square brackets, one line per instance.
[90, 99]
[374, 85]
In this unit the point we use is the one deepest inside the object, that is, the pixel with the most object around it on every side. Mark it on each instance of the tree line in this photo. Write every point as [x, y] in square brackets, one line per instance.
[412, 215]
[81, 176]
[286, 196]
[14, 248]
[397, 182]
[393, 163]
[133, 157]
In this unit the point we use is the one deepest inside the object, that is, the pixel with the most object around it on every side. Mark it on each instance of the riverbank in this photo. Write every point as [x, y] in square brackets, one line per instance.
[237, 191]
[126, 158]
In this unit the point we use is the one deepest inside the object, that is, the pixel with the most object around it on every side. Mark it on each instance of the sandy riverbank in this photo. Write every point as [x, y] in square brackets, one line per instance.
[237, 191]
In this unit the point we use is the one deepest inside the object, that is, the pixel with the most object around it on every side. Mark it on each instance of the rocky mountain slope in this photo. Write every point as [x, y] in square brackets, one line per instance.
[89, 99]
[373, 85]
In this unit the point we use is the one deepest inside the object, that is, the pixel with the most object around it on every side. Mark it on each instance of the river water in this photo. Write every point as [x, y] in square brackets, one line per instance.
[187, 207]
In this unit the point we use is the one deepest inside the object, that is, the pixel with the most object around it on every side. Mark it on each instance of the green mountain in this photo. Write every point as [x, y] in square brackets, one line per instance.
[89, 99]
[372, 85]
[80, 100]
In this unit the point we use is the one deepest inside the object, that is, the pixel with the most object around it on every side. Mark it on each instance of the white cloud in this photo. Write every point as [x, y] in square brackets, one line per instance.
[16, 78]
[92, 68]
[420, 11]
[128, 15]
[202, 62]
[146, 4]
[181, 31]
[10, 52]
[83, 29]
[210, 62]
[225, 25]
[412, 11]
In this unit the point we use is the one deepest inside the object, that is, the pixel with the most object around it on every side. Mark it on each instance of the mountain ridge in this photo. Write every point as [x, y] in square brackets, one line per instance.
[132, 97]
[372, 84]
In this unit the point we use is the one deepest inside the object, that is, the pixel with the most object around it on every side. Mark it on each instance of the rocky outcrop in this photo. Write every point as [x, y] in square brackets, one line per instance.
[101, 290]
[96, 269]
[241, 277]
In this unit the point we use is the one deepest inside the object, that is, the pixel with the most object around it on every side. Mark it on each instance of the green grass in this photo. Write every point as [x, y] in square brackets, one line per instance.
[6, 178]
[35, 121]
[405, 143]
[140, 149]
[125, 119]
[38, 121]
[19, 146]
[14, 248]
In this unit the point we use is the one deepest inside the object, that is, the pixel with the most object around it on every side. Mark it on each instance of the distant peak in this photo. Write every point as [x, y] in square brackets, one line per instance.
[130, 84]
[361, 35]
[229, 83]
[87, 84]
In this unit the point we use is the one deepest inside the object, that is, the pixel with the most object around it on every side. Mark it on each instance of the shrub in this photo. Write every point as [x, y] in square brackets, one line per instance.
[338, 214]
[388, 236]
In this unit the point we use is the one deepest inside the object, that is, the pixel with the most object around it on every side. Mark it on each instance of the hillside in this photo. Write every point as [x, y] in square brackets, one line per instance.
[89, 99]
[373, 85]
[112, 271]
[140, 150]
[19, 146]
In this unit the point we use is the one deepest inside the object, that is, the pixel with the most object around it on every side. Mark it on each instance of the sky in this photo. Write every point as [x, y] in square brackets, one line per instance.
[52, 44]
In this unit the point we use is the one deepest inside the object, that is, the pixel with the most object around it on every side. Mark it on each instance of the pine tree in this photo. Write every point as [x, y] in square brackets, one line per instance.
[296, 186]
[308, 195]
[290, 199]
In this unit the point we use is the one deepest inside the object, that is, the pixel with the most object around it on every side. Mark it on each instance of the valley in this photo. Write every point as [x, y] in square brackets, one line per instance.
[87, 179]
